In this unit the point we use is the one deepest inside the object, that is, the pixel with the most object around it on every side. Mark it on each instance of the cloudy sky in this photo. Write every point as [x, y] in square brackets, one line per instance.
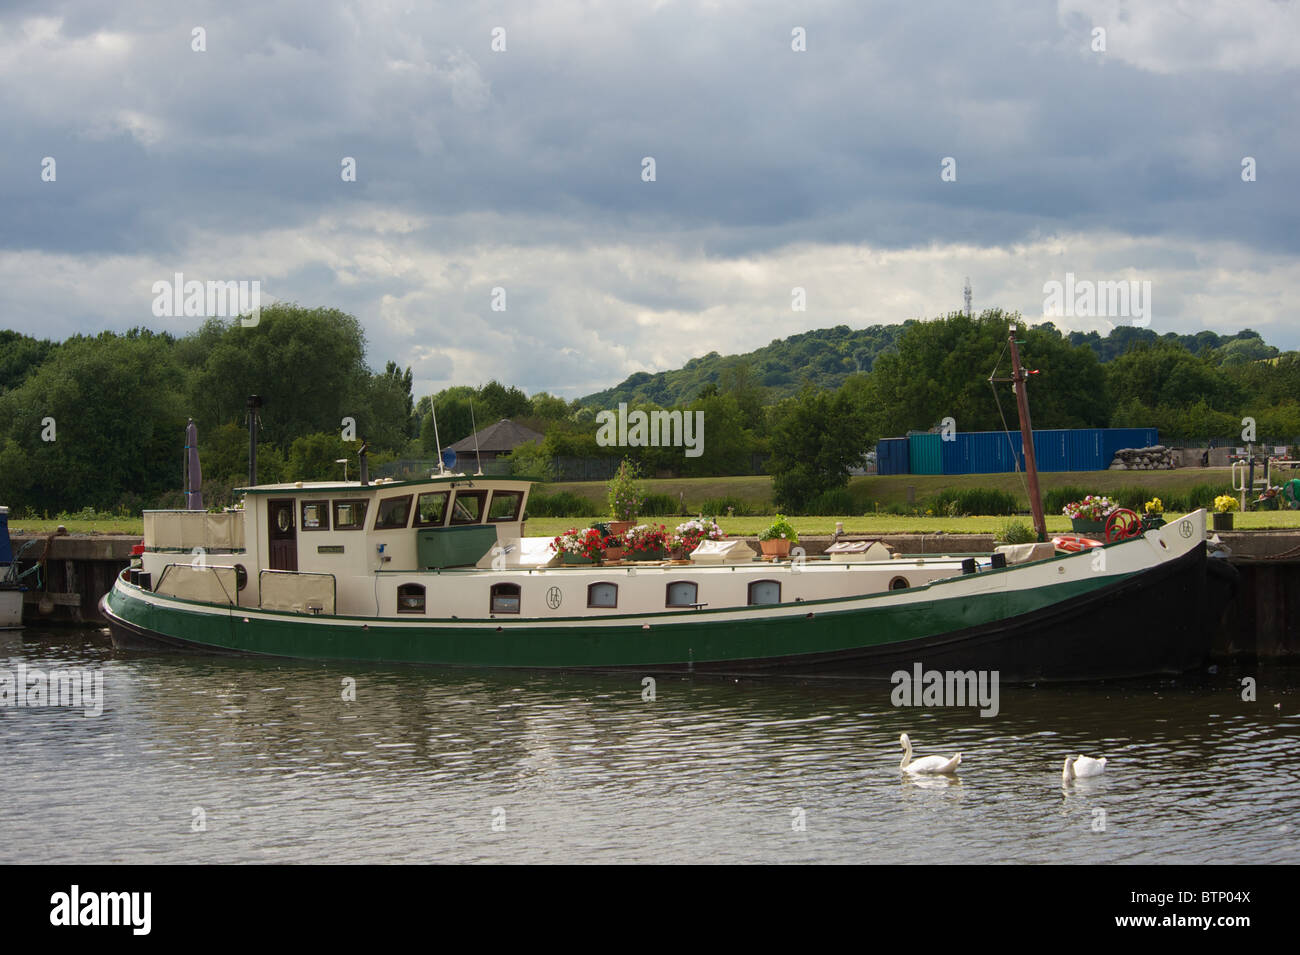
[523, 168]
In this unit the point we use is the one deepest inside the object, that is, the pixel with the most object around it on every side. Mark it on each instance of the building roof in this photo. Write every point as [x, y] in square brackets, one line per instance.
[505, 435]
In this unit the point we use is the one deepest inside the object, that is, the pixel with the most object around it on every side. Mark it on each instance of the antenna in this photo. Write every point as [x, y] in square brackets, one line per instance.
[966, 296]
[479, 472]
[433, 409]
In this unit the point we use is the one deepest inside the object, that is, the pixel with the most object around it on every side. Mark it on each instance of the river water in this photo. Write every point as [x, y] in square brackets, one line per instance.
[198, 759]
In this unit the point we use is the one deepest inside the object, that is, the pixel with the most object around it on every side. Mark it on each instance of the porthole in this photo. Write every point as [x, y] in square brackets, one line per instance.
[602, 594]
[899, 583]
[505, 598]
[410, 598]
[241, 577]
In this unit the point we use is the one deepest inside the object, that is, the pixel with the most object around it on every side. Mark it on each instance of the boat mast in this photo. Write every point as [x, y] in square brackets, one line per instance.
[1019, 378]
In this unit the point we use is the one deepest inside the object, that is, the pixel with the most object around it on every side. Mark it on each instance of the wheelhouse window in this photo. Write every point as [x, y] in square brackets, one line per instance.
[505, 505]
[682, 593]
[602, 595]
[315, 515]
[431, 509]
[350, 515]
[410, 598]
[505, 598]
[393, 513]
[467, 508]
[765, 592]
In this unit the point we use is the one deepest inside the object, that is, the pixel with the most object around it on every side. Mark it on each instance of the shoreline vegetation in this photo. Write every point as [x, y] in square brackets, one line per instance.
[877, 495]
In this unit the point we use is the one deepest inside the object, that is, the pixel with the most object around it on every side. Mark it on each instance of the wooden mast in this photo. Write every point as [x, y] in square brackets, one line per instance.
[1019, 378]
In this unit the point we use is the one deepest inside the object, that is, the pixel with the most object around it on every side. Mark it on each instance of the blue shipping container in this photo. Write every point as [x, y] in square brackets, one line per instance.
[992, 452]
[892, 456]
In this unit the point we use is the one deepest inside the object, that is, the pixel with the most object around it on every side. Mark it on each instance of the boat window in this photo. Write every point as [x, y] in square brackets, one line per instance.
[505, 505]
[765, 592]
[431, 509]
[505, 598]
[682, 593]
[315, 515]
[467, 508]
[350, 515]
[410, 598]
[898, 583]
[602, 595]
[393, 513]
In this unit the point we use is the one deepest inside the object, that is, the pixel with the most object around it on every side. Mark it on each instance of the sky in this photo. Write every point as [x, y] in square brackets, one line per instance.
[503, 223]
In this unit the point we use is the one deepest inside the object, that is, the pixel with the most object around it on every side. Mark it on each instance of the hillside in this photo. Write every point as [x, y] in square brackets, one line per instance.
[825, 357]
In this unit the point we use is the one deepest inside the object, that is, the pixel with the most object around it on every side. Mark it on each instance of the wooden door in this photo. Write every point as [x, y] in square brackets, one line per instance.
[283, 527]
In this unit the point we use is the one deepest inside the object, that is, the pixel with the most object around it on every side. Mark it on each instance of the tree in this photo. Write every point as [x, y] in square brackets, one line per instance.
[816, 439]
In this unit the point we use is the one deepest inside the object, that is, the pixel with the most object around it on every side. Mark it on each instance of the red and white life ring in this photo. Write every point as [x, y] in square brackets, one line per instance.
[1073, 543]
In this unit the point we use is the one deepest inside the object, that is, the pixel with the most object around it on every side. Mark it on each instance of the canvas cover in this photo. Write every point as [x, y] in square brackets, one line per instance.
[204, 582]
[295, 592]
[722, 552]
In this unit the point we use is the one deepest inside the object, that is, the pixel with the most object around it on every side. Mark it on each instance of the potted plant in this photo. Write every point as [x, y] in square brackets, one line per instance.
[1089, 515]
[625, 498]
[775, 540]
[1224, 505]
[1155, 513]
[689, 534]
[613, 548]
[646, 542]
[580, 547]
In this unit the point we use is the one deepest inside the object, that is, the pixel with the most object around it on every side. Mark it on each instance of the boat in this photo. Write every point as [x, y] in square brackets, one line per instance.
[11, 591]
[439, 570]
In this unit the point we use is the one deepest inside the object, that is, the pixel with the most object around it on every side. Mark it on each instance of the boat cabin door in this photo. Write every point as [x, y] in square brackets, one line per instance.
[283, 533]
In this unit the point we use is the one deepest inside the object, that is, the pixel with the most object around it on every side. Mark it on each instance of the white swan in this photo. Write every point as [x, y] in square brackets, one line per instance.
[927, 764]
[1080, 767]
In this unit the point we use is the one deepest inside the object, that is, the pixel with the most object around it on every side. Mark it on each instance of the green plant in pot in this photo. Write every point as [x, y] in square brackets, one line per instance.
[1154, 510]
[777, 538]
[1224, 505]
[625, 498]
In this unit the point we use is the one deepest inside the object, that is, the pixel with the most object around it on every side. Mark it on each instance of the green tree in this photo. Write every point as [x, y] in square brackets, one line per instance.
[816, 439]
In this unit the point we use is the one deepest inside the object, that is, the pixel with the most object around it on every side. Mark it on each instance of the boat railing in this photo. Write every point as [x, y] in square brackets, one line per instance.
[178, 530]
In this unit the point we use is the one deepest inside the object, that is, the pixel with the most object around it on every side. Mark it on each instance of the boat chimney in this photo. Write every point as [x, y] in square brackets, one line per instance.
[365, 464]
[254, 402]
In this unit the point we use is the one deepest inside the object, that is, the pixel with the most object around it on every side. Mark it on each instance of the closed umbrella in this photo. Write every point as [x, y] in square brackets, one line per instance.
[193, 472]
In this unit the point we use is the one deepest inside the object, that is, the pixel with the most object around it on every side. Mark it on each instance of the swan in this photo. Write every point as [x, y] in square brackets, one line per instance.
[1080, 767]
[927, 764]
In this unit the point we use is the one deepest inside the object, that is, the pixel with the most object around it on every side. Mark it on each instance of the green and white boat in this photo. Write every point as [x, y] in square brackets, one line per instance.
[440, 571]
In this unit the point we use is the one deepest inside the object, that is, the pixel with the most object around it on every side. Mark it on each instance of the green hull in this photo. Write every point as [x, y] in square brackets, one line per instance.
[1066, 631]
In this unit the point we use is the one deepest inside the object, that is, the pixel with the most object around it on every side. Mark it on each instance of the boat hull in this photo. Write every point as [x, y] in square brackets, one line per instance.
[1155, 621]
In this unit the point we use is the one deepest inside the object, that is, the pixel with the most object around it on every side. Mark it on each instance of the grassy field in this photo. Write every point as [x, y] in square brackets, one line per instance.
[873, 524]
[736, 526]
[872, 492]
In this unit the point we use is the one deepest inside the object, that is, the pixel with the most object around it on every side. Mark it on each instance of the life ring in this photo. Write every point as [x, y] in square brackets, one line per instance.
[1073, 543]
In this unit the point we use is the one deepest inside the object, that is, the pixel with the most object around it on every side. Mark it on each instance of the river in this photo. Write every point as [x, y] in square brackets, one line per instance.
[197, 759]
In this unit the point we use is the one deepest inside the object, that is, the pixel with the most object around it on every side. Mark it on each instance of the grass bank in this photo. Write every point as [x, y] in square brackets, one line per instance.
[874, 492]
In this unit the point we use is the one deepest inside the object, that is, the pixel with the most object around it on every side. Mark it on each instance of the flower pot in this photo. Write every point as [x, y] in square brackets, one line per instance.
[613, 554]
[777, 547]
[1082, 526]
[576, 559]
[619, 528]
[655, 553]
[1223, 522]
[1152, 521]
